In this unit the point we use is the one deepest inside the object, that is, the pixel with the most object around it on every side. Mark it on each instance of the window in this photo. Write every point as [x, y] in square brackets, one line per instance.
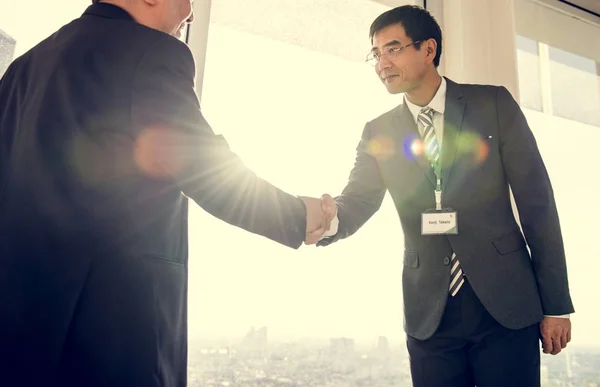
[29, 22]
[286, 83]
[580, 103]
[567, 129]
[543, 79]
[529, 73]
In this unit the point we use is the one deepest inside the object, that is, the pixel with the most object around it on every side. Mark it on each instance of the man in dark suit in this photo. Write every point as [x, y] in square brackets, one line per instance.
[475, 300]
[101, 142]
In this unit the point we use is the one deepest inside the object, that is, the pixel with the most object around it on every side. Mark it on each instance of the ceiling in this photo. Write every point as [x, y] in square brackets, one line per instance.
[590, 5]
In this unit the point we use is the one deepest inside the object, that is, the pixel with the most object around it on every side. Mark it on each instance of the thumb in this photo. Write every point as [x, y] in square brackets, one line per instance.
[328, 206]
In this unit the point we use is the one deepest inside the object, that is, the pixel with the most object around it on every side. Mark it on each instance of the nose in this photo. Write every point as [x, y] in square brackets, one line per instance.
[383, 63]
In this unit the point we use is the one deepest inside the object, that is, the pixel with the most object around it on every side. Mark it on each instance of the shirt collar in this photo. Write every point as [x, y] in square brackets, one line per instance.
[108, 11]
[438, 103]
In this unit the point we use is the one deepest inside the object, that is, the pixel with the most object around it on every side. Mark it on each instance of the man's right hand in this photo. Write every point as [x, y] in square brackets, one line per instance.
[328, 208]
[317, 221]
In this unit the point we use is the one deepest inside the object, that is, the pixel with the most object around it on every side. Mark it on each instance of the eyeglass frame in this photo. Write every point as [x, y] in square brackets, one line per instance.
[373, 59]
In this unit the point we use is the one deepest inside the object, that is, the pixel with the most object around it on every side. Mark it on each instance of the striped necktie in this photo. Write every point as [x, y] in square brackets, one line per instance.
[430, 142]
[432, 150]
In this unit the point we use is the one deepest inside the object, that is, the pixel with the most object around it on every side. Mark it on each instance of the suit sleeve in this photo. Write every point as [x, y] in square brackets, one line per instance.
[534, 197]
[363, 194]
[174, 142]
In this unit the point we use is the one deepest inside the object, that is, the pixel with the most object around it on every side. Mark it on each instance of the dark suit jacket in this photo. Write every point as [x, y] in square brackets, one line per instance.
[487, 146]
[93, 250]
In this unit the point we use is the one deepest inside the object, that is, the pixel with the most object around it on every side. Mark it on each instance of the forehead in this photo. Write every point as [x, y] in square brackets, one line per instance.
[393, 33]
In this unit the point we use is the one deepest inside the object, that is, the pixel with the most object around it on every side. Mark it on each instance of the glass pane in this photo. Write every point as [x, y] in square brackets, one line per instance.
[29, 22]
[286, 83]
[529, 73]
[575, 84]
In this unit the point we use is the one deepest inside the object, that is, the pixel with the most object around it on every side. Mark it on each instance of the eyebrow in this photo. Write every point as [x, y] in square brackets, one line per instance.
[390, 43]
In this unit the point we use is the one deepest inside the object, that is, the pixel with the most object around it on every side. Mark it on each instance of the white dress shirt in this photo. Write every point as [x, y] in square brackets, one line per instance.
[438, 104]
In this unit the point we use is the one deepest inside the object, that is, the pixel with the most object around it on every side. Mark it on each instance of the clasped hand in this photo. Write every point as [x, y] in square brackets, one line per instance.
[319, 215]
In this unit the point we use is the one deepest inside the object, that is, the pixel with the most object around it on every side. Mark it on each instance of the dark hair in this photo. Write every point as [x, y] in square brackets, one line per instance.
[418, 23]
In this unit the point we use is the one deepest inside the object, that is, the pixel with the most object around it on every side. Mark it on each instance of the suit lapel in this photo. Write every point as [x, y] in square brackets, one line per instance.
[453, 120]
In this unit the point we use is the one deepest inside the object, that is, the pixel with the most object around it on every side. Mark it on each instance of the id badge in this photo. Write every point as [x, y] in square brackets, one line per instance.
[439, 222]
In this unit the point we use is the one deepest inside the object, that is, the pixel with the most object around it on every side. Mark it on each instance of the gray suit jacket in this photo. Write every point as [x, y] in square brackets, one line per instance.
[487, 147]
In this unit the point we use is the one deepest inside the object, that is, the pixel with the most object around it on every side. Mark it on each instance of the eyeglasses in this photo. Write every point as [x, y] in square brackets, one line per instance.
[391, 52]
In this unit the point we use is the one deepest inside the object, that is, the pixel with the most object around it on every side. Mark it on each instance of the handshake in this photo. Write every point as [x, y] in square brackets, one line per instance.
[320, 213]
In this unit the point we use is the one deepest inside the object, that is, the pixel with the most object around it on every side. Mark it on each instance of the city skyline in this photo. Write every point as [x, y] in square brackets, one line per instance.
[258, 360]
[7, 50]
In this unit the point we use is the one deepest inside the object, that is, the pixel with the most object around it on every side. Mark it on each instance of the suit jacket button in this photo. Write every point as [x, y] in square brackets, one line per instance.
[446, 261]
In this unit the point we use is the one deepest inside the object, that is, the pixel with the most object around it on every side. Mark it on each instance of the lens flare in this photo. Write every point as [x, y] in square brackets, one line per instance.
[413, 147]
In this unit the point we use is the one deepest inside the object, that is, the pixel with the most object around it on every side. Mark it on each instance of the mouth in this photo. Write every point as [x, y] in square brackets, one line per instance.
[388, 78]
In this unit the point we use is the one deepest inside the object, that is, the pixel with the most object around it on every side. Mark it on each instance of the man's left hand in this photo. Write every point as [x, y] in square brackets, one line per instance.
[556, 333]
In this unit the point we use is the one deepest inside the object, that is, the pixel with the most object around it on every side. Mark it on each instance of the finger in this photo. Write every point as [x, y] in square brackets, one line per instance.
[327, 198]
[327, 210]
[556, 346]
[325, 221]
[310, 240]
[314, 236]
[568, 336]
[563, 340]
[316, 233]
[546, 343]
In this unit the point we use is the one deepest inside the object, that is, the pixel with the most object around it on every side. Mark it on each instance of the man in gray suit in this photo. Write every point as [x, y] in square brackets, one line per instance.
[475, 300]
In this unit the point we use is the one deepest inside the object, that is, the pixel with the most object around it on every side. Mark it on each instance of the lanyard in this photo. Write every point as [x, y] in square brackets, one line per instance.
[438, 185]
[438, 175]
[438, 195]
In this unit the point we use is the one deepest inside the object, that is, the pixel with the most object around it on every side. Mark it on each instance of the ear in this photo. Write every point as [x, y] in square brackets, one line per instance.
[430, 47]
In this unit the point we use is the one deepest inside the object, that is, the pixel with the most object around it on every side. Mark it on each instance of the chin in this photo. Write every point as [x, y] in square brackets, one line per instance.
[395, 89]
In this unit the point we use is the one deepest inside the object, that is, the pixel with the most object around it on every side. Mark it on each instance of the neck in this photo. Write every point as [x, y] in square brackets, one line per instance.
[425, 91]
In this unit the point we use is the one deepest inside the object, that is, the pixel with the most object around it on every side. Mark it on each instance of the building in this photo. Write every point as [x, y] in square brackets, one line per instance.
[7, 50]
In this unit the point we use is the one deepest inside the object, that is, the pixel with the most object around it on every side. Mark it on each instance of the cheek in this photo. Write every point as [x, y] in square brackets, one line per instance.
[410, 69]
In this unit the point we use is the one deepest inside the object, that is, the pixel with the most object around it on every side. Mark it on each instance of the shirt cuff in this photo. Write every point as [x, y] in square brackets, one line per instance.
[561, 316]
[333, 229]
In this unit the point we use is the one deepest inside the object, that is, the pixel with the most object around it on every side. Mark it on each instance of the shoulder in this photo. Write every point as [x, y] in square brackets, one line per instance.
[475, 91]
[387, 117]
[138, 43]
[164, 50]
